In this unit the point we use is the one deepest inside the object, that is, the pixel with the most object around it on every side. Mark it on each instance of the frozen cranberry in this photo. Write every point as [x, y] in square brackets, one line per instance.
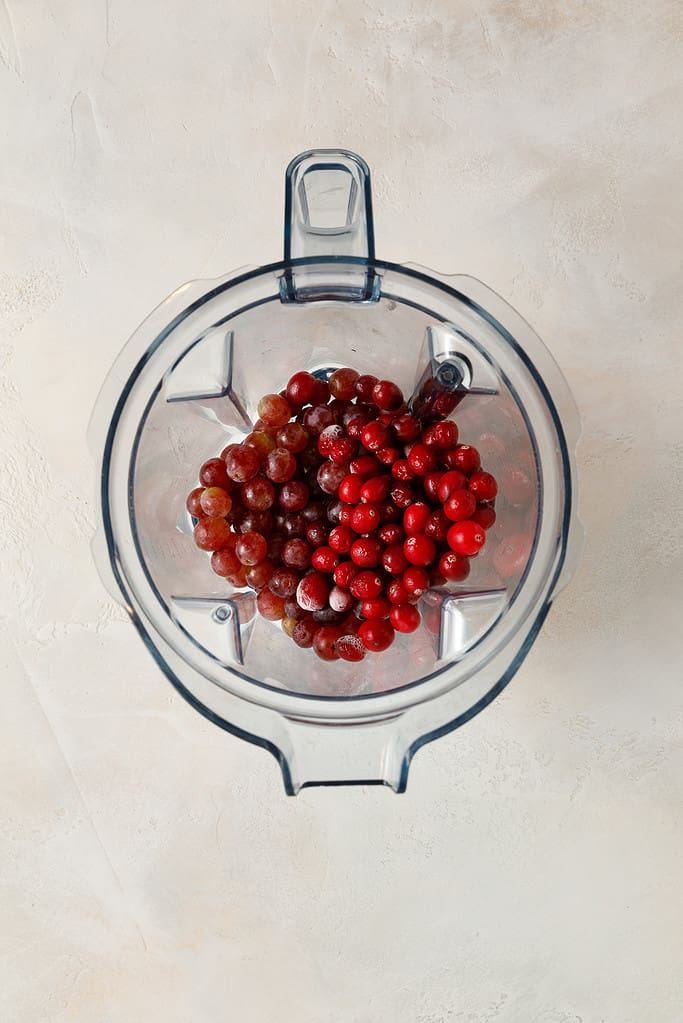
[366, 552]
[212, 534]
[416, 517]
[441, 435]
[366, 466]
[350, 648]
[466, 538]
[365, 518]
[366, 584]
[437, 525]
[375, 435]
[325, 642]
[422, 460]
[404, 617]
[304, 631]
[341, 538]
[280, 465]
[402, 495]
[431, 485]
[460, 505]
[375, 607]
[317, 418]
[465, 458]
[313, 591]
[387, 395]
[317, 534]
[454, 567]
[376, 635]
[296, 553]
[283, 582]
[401, 470]
[394, 560]
[340, 599]
[375, 490]
[416, 580]
[225, 562]
[390, 533]
[357, 424]
[450, 481]
[292, 437]
[327, 439]
[344, 573]
[484, 516]
[193, 503]
[342, 384]
[215, 502]
[270, 606]
[483, 486]
[406, 427]
[324, 559]
[242, 464]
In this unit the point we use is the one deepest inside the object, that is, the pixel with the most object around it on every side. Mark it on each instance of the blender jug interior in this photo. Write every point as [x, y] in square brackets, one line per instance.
[194, 389]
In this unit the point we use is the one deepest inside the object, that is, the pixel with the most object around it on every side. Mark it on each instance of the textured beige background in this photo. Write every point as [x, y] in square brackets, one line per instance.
[151, 867]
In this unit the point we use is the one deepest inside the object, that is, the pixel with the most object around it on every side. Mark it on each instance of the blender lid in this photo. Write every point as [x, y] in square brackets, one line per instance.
[187, 383]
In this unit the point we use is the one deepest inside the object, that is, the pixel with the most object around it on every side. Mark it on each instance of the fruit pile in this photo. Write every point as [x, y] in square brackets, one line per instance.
[340, 509]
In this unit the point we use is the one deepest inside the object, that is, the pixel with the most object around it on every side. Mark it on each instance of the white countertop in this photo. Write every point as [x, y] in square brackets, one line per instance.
[151, 867]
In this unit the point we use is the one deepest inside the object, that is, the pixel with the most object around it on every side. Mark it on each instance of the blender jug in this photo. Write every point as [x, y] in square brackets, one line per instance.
[187, 384]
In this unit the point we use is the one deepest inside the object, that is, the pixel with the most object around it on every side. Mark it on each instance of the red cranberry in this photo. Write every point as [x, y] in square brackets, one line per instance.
[460, 505]
[398, 594]
[402, 495]
[454, 567]
[350, 648]
[375, 607]
[441, 435]
[464, 457]
[341, 539]
[437, 525]
[394, 560]
[415, 517]
[431, 485]
[419, 549]
[484, 516]
[328, 438]
[366, 552]
[387, 456]
[404, 617]
[401, 470]
[466, 538]
[324, 559]
[375, 490]
[344, 573]
[422, 460]
[450, 481]
[366, 584]
[343, 450]
[366, 466]
[376, 635]
[349, 489]
[406, 427]
[416, 580]
[365, 518]
[390, 533]
[375, 436]
[483, 486]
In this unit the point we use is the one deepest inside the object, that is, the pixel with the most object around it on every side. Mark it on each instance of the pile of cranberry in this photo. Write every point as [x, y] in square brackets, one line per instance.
[340, 509]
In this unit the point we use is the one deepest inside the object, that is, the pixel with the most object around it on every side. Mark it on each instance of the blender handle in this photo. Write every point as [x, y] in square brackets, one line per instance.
[328, 206]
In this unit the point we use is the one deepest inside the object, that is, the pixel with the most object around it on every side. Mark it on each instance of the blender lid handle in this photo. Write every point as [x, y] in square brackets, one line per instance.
[328, 206]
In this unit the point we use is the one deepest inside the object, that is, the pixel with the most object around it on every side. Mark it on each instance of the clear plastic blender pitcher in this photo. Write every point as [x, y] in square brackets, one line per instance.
[187, 384]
